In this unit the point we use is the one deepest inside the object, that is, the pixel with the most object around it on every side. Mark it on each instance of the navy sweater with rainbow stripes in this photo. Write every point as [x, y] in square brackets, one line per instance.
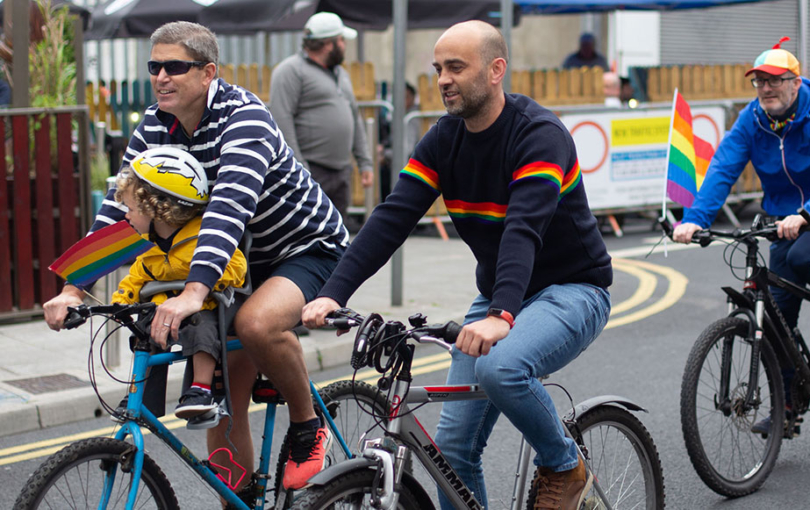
[515, 194]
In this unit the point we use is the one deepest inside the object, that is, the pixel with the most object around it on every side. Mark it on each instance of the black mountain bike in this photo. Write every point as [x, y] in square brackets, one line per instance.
[733, 377]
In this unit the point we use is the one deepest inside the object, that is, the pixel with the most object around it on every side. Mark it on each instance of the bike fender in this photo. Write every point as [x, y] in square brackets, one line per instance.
[340, 469]
[347, 466]
[594, 402]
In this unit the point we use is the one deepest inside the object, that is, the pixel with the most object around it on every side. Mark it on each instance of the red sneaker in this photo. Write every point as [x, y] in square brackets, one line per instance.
[307, 456]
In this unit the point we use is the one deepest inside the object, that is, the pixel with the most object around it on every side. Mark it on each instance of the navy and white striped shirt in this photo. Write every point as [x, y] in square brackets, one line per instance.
[254, 180]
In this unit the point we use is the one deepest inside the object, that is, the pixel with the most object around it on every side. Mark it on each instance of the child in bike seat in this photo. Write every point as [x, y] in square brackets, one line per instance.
[166, 190]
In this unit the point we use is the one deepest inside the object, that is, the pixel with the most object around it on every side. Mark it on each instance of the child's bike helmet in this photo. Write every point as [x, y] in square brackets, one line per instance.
[173, 171]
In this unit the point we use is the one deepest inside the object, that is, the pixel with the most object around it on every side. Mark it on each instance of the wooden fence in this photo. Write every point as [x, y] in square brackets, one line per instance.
[42, 202]
[550, 87]
[725, 81]
[547, 86]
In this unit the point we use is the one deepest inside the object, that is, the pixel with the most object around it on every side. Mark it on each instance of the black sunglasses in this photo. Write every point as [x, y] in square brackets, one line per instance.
[173, 67]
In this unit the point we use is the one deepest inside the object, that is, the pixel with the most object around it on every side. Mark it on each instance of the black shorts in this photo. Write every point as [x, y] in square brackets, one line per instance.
[308, 270]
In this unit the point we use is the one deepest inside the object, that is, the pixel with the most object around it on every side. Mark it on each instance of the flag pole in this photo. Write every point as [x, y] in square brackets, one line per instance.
[669, 147]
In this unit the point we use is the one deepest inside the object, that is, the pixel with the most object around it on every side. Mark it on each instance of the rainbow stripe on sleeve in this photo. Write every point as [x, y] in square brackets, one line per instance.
[552, 173]
[416, 170]
[487, 212]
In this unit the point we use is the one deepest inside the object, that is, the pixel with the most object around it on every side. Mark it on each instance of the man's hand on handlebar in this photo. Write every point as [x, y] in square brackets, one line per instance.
[683, 233]
[56, 309]
[314, 313]
[790, 227]
[477, 338]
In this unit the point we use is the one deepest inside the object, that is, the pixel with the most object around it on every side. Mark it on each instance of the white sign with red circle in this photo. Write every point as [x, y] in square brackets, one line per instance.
[622, 154]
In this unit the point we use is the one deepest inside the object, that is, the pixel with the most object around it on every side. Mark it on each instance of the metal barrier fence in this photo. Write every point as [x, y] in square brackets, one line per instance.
[606, 193]
[44, 201]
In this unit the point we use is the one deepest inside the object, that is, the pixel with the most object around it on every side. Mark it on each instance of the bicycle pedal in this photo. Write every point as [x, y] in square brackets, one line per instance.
[208, 420]
[265, 393]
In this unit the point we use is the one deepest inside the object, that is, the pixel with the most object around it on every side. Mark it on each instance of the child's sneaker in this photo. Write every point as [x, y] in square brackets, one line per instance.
[194, 402]
[307, 456]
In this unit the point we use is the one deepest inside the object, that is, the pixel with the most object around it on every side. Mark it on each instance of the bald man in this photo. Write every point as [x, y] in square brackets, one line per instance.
[507, 169]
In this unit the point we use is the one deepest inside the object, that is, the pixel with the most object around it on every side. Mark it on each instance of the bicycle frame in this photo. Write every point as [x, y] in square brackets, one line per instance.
[405, 426]
[759, 307]
[137, 413]
[405, 435]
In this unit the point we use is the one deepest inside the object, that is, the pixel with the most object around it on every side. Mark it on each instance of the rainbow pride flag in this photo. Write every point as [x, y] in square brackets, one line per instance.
[688, 155]
[100, 253]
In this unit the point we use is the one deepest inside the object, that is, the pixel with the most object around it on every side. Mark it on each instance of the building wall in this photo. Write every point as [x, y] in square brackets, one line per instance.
[728, 34]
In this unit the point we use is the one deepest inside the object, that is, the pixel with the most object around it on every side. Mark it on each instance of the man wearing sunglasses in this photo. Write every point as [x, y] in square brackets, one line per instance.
[313, 103]
[773, 132]
[257, 183]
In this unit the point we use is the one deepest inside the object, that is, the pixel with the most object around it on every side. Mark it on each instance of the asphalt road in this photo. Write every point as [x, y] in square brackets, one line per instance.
[662, 305]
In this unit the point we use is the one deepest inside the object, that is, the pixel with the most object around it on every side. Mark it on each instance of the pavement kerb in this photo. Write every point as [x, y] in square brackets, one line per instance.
[57, 408]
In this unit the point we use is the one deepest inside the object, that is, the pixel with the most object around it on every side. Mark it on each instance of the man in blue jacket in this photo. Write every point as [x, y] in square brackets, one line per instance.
[773, 132]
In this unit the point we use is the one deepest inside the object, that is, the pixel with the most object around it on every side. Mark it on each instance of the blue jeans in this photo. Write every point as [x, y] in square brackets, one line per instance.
[790, 260]
[552, 328]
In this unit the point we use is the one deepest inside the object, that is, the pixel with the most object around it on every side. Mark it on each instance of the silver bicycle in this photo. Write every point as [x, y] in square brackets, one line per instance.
[616, 446]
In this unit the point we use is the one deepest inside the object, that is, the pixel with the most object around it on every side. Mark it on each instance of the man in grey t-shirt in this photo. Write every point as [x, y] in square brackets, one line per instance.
[312, 101]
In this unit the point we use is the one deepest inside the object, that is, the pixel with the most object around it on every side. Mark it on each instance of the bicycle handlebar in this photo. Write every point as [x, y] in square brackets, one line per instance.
[123, 314]
[762, 226]
[376, 336]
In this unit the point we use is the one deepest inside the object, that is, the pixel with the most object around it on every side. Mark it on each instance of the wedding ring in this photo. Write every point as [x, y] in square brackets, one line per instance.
[167, 325]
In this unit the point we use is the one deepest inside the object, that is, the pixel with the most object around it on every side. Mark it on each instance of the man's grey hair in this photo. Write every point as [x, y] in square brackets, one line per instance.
[199, 41]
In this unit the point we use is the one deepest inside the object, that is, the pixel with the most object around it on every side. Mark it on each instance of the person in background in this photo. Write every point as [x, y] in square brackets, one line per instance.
[586, 55]
[313, 103]
[413, 131]
[611, 86]
[626, 92]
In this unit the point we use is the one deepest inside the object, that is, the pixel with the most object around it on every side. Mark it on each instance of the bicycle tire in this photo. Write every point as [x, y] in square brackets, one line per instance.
[353, 491]
[347, 403]
[56, 482]
[622, 457]
[729, 458]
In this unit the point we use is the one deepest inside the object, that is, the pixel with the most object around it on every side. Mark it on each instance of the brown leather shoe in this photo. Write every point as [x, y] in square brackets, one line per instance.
[561, 491]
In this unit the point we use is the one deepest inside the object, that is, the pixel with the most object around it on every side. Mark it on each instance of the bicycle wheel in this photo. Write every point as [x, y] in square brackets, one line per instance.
[622, 458]
[729, 458]
[353, 491]
[74, 478]
[351, 406]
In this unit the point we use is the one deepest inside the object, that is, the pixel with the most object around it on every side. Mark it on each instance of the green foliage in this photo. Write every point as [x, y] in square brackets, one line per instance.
[99, 171]
[52, 63]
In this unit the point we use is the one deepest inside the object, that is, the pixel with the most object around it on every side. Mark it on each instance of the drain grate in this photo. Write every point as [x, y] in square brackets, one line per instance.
[48, 383]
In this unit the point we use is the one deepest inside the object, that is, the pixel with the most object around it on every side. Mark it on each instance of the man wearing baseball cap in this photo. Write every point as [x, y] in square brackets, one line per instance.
[773, 132]
[313, 103]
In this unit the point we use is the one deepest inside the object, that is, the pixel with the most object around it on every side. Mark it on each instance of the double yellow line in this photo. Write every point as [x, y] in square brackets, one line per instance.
[645, 272]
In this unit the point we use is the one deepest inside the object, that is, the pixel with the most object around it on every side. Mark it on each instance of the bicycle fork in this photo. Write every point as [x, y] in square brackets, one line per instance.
[754, 338]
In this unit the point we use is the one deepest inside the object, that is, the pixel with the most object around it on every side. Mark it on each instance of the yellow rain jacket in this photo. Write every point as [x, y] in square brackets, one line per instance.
[157, 265]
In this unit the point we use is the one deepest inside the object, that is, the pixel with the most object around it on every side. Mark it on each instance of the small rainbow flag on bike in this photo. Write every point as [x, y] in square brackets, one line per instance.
[688, 155]
[100, 253]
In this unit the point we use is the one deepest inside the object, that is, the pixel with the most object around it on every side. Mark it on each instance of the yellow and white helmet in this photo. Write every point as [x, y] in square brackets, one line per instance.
[173, 171]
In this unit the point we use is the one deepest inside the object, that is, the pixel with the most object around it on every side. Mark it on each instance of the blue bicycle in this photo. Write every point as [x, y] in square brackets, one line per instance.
[107, 473]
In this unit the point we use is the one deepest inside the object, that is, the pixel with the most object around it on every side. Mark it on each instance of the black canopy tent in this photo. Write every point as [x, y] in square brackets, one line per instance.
[251, 16]
[139, 18]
